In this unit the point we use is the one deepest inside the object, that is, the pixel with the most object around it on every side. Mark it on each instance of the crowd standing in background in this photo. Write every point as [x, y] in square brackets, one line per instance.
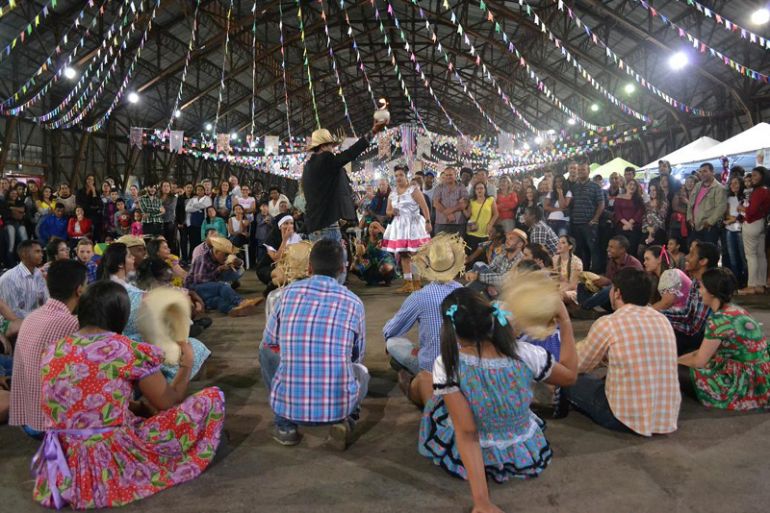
[642, 258]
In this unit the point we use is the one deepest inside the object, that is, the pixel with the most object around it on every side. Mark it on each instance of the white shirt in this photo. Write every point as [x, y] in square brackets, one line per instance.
[22, 290]
[196, 204]
[275, 207]
[558, 215]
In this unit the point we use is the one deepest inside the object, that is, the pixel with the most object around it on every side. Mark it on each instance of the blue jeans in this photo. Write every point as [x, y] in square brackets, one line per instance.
[401, 349]
[588, 397]
[736, 255]
[6, 365]
[332, 232]
[33, 433]
[589, 301]
[269, 362]
[586, 236]
[705, 235]
[559, 226]
[217, 295]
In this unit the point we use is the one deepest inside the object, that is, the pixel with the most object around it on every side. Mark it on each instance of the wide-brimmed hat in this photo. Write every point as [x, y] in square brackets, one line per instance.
[319, 137]
[521, 234]
[223, 245]
[294, 262]
[442, 259]
[534, 301]
[131, 241]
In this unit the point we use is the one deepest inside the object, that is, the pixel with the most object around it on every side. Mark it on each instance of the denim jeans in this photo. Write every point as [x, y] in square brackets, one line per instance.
[217, 295]
[332, 232]
[589, 300]
[705, 235]
[588, 396]
[14, 234]
[736, 255]
[269, 362]
[402, 350]
[586, 236]
[6, 365]
[559, 226]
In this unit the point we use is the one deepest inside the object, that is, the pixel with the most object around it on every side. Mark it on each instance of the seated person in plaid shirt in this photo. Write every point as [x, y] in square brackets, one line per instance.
[617, 251]
[690, 323]
[489, 279]
[208, 278]
[641, 389]
[439, 261]
[41, 329]
[539, 232]
[319, 331]
[85, 255]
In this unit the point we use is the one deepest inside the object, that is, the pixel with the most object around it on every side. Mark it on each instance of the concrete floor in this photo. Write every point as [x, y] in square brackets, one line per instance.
[717, 461]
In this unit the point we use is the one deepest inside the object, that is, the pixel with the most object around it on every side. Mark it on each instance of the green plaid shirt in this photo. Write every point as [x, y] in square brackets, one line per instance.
[150, 206]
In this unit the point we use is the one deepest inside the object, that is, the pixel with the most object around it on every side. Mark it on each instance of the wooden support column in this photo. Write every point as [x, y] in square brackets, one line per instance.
[10, 126]
[81, 155]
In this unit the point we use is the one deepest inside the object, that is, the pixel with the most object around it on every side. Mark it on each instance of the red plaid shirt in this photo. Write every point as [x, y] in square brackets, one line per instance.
[40, 329]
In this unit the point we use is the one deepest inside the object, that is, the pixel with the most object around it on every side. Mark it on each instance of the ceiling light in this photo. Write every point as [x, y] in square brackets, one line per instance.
[70, 73]
[630, 88]
[551, 131]
[208, 127]
[760, 16]
[594, 107]
[571, 121]
[538, 140]
[133, 97]
[526, 146]
[678, 61]
[234, 136]
[177, 113]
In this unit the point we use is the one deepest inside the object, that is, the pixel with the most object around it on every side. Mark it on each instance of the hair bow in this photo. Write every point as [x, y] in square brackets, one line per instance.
[451, 311]
[500, 314]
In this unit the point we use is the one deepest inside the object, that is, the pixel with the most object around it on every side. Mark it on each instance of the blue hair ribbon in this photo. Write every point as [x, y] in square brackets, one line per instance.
[500, 314]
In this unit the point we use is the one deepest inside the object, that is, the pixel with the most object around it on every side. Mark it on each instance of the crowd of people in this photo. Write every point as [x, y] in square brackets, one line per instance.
[640, 259]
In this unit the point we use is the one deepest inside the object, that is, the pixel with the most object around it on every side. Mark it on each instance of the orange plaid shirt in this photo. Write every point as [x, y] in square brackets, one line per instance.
[642, 382]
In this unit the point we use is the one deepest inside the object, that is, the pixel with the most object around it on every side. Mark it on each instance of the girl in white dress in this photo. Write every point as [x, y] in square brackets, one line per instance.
[409, 230]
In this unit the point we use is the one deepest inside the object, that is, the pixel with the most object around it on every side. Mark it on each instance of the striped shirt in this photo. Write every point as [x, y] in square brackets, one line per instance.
[586, 198]
[320, 328]
[423, 307]
[23, 290]
[642, 383]
[41, 329]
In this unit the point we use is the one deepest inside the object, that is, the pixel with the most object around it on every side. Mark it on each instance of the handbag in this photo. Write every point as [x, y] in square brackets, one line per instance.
[474, 225]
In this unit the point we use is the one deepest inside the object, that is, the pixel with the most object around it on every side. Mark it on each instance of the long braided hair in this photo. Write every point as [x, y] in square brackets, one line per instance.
[571, 242]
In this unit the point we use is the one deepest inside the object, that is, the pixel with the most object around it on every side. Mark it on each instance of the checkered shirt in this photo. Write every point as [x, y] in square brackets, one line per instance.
[38, 332]
[150, 208]
[423, 307]
[500, 264]
[320, 328]
[692, 319]
[642, 383]
[22, 290]
[541, 233]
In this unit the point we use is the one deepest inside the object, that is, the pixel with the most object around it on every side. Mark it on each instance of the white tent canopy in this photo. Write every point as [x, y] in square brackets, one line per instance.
[687, 153]
[754, 139]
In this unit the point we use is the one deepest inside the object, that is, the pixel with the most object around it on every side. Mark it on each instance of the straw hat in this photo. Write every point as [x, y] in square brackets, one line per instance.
[131, 241]
[521, 234]
[319, 137]
[223, 245]
[164, 319]
[293, 264]
[442, 259]
[587, 279]
[534, 300]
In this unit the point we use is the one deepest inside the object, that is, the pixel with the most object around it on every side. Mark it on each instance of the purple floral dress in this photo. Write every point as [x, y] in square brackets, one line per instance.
[96, 453]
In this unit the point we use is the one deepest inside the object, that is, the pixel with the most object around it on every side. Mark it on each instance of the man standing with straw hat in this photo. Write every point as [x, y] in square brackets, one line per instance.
[439, 261]
[326, 185]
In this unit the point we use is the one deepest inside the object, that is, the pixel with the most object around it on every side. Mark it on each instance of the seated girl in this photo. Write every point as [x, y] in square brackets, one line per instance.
[107, 456]
[158, 247]
[567, 267]
[373, 264]
[486, 251]
[673, 285]
[731, 369]
[479, 423]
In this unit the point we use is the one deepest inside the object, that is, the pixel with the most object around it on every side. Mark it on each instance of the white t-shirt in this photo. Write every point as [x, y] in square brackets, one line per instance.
[732, 211]
[558, 215]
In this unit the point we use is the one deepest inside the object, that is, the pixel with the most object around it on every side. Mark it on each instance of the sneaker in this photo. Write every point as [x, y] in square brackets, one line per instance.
[287, 438]
[338, 435]
[560, 404]
[195, 330]
[405, 381]
[204, 322]
[235, 285]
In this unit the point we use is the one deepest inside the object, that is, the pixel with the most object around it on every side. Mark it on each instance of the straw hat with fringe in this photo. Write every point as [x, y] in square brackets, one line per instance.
[320, 137]
[223, 245]
[164, 319]
[534, 300]
[131, 241]
[293, 264]
[442, 259]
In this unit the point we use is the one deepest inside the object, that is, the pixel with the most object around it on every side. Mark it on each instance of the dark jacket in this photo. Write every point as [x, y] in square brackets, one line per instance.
[327, 188]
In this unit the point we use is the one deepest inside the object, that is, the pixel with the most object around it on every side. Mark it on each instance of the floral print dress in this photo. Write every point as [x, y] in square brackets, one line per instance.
[96, 453]
[738, 375]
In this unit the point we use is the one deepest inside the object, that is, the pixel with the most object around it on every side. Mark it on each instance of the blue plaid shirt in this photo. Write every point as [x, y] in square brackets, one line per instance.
[320, 328]
[423, 307]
